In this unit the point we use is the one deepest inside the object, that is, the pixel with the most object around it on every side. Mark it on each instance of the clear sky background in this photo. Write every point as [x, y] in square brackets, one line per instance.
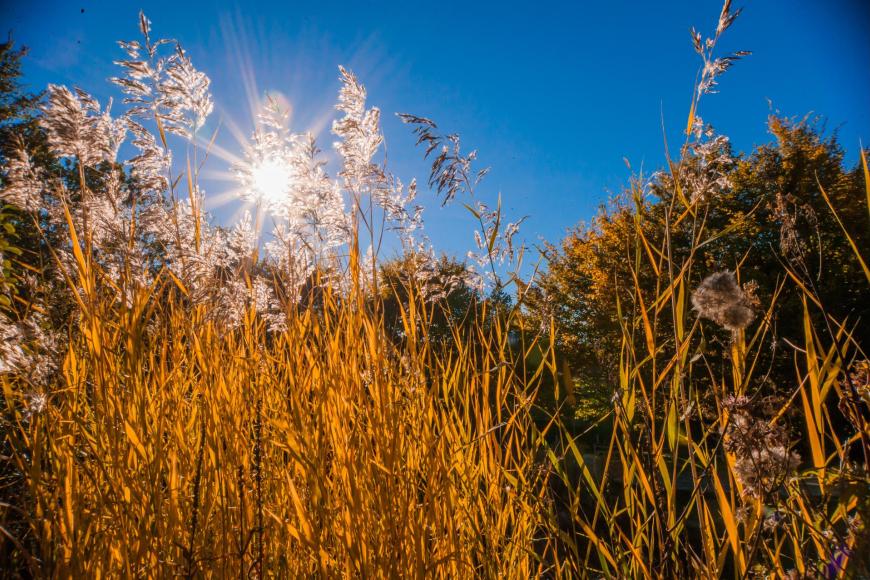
[553, 95]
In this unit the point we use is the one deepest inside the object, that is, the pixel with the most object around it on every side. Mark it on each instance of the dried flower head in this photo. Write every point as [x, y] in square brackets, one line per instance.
[24, 182]
[774, 520]
[763, 459]
[35, 404]
[713, 67]
[168, 87]
[793, 216]
[451, 171]
[12, 356]
[859, 376]
[720, 299]
[76, 127]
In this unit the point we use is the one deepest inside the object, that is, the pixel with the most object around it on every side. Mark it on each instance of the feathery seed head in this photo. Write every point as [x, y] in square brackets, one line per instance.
[720, 299]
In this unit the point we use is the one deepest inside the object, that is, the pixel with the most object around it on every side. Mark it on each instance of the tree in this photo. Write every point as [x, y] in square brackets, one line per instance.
[440, 287]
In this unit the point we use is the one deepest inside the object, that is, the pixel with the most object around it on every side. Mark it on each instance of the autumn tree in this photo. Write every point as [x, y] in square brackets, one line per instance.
[439, 285]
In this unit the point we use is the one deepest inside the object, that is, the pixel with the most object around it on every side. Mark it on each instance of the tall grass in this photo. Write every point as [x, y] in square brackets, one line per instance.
[322, 450]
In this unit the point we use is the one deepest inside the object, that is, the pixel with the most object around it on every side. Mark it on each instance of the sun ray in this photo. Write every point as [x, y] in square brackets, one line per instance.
[224, 198]
[219, 174]
[233, 30]
[217, 150]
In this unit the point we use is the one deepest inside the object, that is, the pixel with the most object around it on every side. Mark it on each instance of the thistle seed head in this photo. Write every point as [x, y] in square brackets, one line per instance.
[720, 299]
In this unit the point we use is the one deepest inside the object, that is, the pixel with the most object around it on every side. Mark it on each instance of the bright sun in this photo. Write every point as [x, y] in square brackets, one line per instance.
[271, 180]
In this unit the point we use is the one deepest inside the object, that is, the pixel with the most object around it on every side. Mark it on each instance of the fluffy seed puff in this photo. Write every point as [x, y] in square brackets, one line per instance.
[720, 299]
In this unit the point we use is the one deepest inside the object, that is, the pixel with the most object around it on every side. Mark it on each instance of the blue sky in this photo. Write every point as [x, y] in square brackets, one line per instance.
[553, 95]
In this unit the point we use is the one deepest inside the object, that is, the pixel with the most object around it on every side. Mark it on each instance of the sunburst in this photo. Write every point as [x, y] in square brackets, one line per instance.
[271, 180]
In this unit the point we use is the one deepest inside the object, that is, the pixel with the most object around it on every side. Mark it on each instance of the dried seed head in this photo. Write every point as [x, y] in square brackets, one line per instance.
[24, 182]
[723, 301]
[35, 405]
[763, 459]
[859, 376]
[12, 356]
[774, 520]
